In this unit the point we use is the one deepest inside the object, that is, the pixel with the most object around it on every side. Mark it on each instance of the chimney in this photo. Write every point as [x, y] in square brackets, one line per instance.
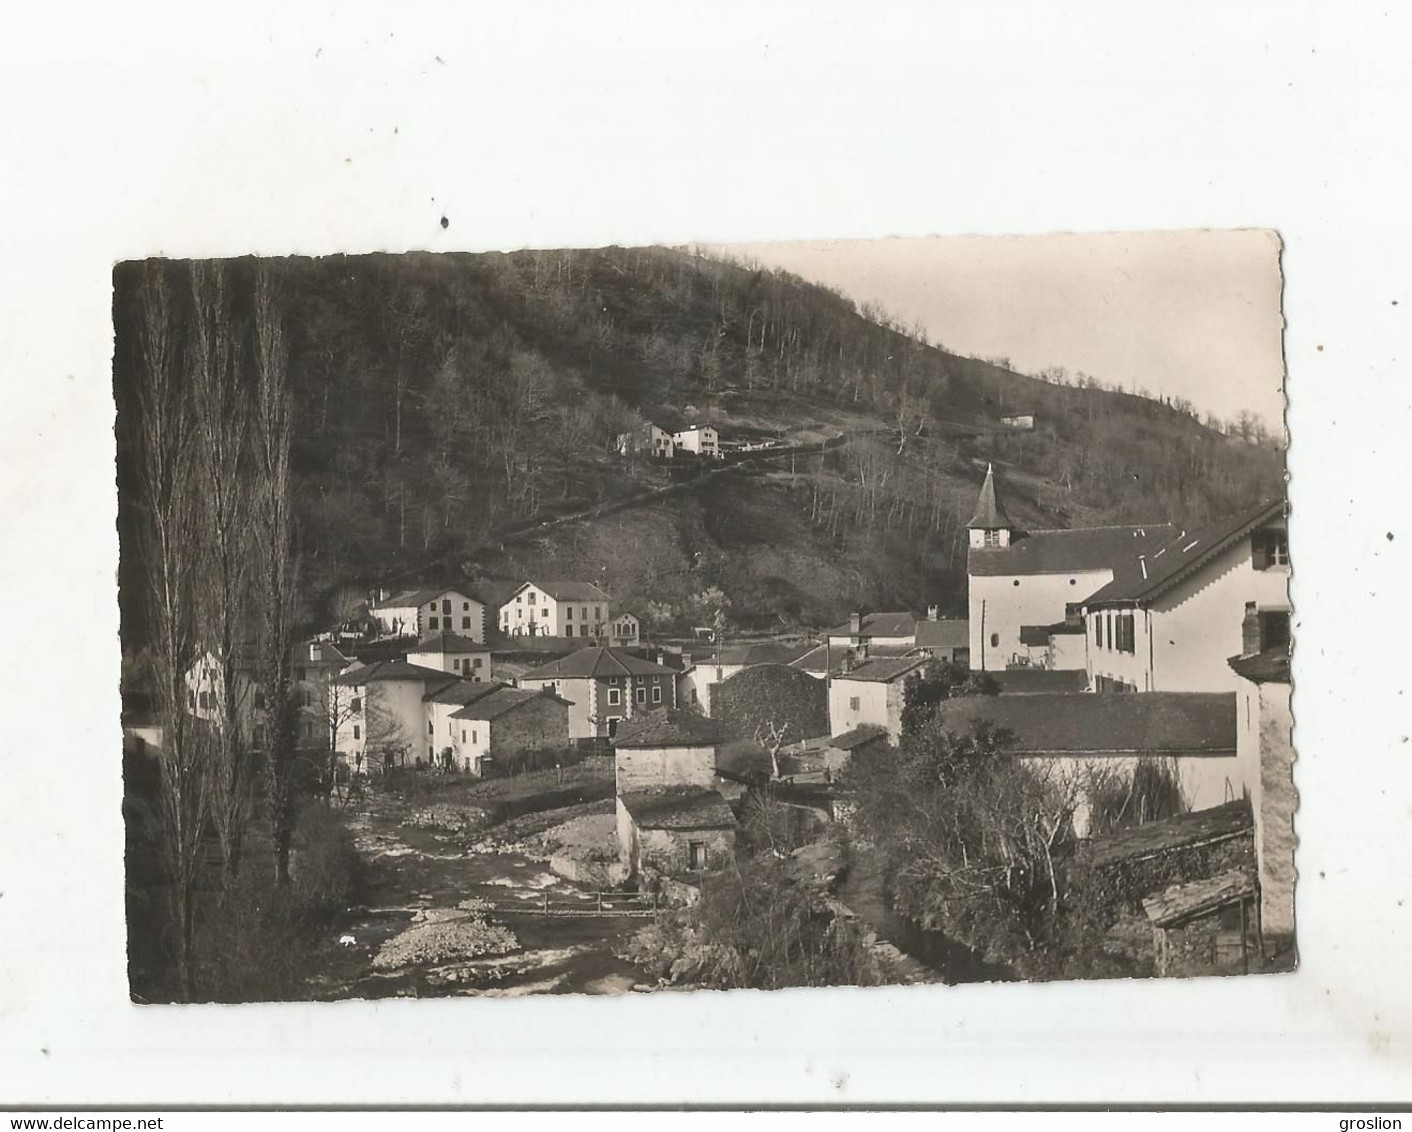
[855, 624]
[661, 658]
[848, 662]
[1250, 631]
[1142, 561]
[686, 660]
[931, 613]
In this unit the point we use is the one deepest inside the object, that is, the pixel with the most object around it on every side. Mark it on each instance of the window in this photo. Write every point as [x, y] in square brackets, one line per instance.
[357, 732]
[259, 698]
[306, 698]
[992, 538]
[300, 674]
[697, 855]
[568, 612]
[531, 597]
[615, 697]
[465, 605]
[852, 703]
[463, 734]
[517, 599]
[1073, 581]
[356, 705]
[431, 728]
[465, 622]
[478, 662]
[995, 640]
[433, 623]
[1016, 582]
[1274, 629]
[446, 605]
[1269, 548]
[642, 694]
[206, 699]
[656, 695]
[583, 613]
[1126, 638]
[598, 613]
[455, 666]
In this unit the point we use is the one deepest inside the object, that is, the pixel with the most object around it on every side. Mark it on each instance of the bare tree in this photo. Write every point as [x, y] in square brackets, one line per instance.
[771, 738]
[221, 427]
[272, 524]
[168, 476]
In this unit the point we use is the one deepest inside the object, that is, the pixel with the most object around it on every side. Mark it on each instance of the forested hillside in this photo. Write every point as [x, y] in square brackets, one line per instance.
[445, 402]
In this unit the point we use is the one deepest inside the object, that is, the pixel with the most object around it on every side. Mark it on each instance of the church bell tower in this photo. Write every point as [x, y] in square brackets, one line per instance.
[990, 526]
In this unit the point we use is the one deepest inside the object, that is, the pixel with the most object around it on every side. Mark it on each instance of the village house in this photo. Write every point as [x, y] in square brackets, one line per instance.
[944, 638]
[453, 653]
[1170, 621]
[700, 439]
[1085, 740]
[490, 732]
[1265, 753]
[1209, 926]
[648, 439]
[418, 613]
[870, 691]
[700, 674]
[312, 665]
[1018, 578]
[386, 722]
[670, 816]
[1060, 647]
[604, 687]
[839, 749]
[1018, 422]
[625, 631]
[556, 609]
[889, 630]
[441, 704]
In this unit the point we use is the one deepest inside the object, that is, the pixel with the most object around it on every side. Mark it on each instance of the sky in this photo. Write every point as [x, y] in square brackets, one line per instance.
[1180, 314]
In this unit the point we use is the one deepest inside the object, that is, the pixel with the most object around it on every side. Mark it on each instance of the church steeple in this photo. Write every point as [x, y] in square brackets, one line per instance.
[990, 525]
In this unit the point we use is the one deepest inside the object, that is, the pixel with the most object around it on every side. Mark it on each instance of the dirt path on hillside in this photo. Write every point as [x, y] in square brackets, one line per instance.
[418, 875]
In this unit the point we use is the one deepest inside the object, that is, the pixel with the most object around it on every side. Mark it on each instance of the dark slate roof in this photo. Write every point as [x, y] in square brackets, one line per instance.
[1040, 681]
[990, 512]
[883, 670]
[597, 662]
[1037, 635]
[666, 728]
[850, 740]
[1118, 723]
[948, 632]
[393, 670]
[446, 641]
[463, 692]
[1138, 582]
[500, 701]
[1185, 831]
[759, 652]
[1181, 902]
[880, 625]
[813, 660]
[680, 808]
[1061, 552]
[405, 598]
[1268, 667]
[569, 591]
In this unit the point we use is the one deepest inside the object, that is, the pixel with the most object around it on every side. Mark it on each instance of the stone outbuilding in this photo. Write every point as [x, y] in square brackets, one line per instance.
[1209, 926]
[674, 831]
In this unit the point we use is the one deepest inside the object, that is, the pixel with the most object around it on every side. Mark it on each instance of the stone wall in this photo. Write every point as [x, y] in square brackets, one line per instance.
[541, 724]
[1208, 945]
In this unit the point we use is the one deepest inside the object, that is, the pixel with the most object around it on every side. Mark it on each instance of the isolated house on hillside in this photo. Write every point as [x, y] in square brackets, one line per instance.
[870, 692]
[1170, 620]
[699, 438]
[604, 686]
[418, 613]
[313, 665]
[649, 439]
[557, 609]
[1018, 578]
[453, 653]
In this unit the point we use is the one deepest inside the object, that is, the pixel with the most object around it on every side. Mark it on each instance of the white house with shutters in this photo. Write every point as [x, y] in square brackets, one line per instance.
[420, 613]
[557, 609]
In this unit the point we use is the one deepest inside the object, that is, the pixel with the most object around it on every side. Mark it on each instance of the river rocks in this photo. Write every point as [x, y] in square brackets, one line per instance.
[442, 936]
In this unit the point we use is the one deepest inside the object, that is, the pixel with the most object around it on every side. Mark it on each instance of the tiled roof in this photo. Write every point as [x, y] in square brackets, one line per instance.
[948, 632]
[761, 652]
[665, 728]
[813, 660]
[596, 663]
[1117, 723]
[880, 625]
[569, 591]
[990, 512]
[1181, 902]
[446, 641]
[407, 598]
[500, 701]
[1038, 681]
[680, 808]
[1185, 831]
[883, 670]
[463, 692]
[1180, 555]
[1268, 667]
[393, 670]
[1077, 551]
[850, 740]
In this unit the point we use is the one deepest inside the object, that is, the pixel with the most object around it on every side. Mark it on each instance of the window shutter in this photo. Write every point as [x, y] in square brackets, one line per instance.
[1260, 551]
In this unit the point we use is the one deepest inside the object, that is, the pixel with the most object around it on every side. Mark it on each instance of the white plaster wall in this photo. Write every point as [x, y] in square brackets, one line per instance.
[645, 768]
[878, 704]
[1039, 599]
